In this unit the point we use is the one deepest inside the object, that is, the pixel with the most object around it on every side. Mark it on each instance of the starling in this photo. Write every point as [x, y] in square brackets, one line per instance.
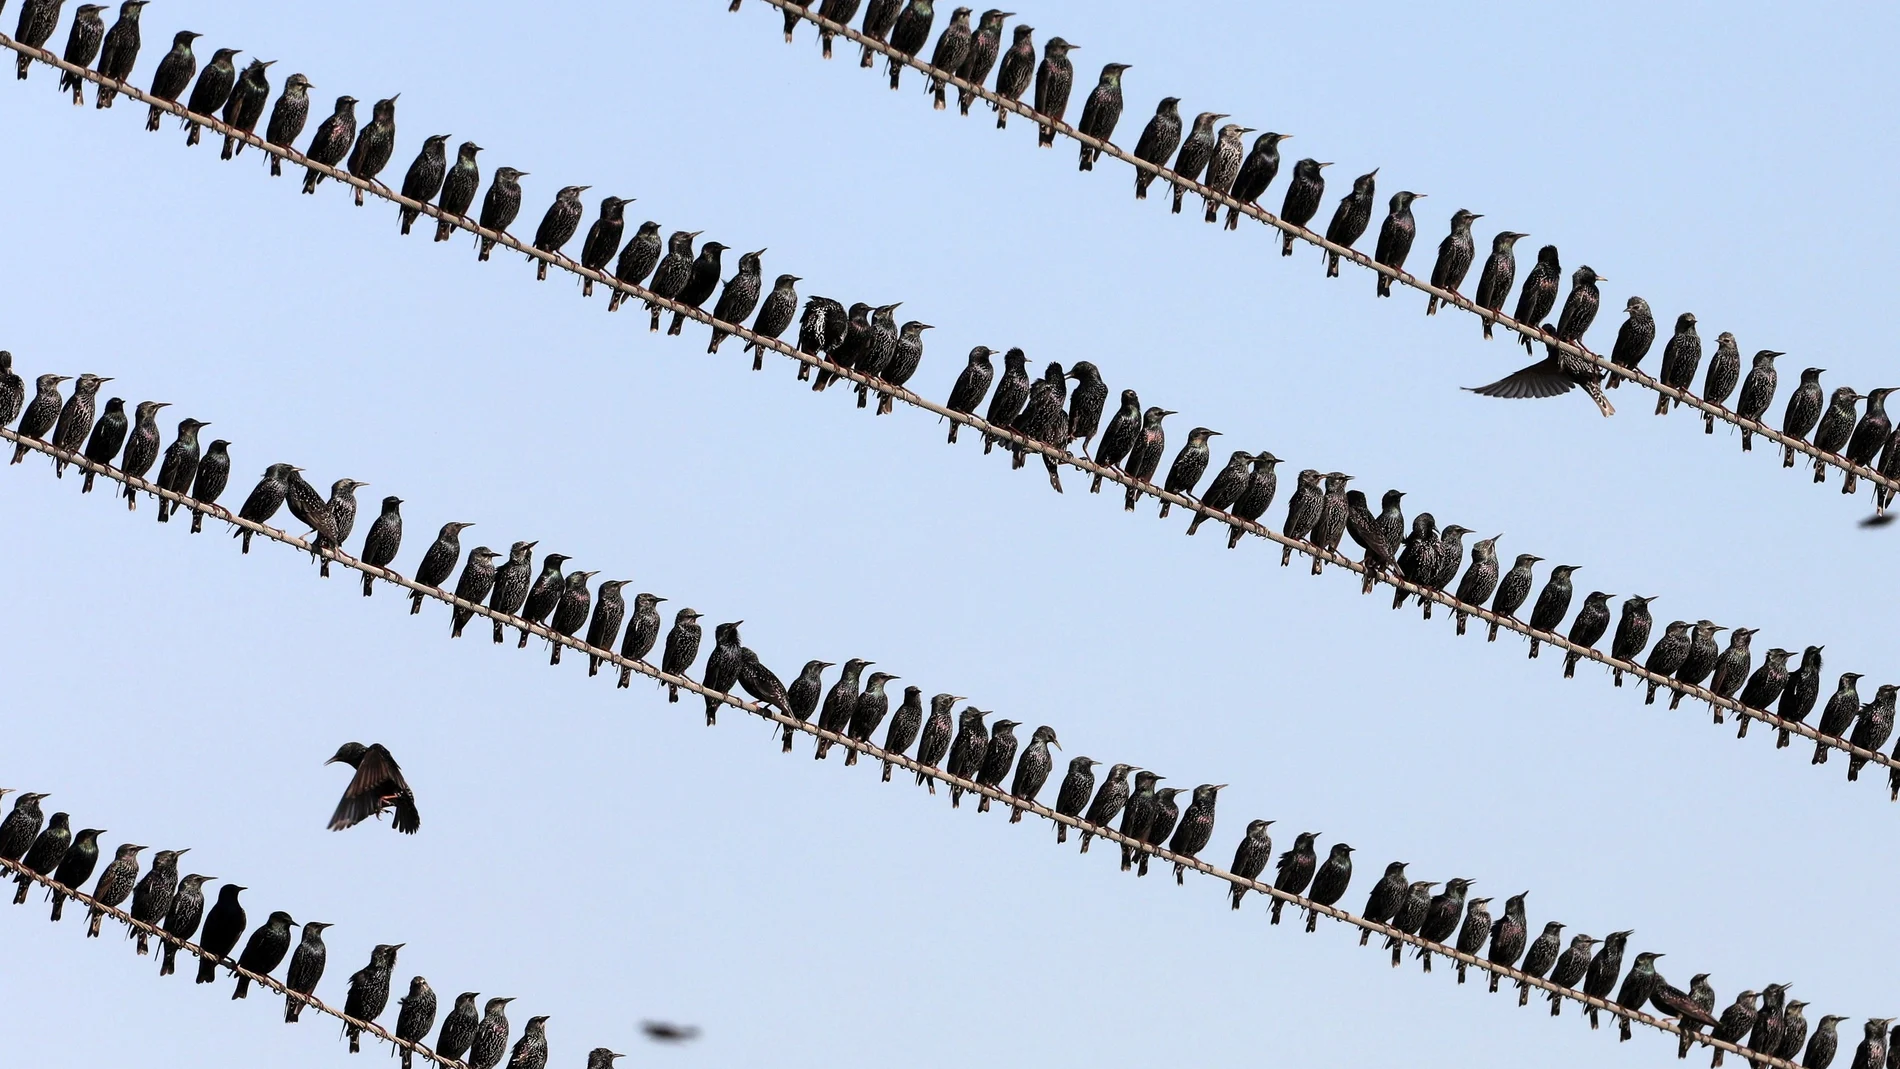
[571, 612]
[152, 897]
[643, 632]
[1441, 917]
[1395, 236]
[1167, 812]
[1392, 517]
[1302, 511]
[1735, 1023]
[1018, 66]
[1632, 634]
[48, 850]
[187, 906]
[1558, 373]
[998, 755]
[458, 189]
[1077, 787]
[1731, 669]
[840, 704]
[1633, 339]
[1351, 218]
[1411, 914]
[510, 590]
[1508, 934]
[909, 34]
[1196, 827]
[880, 348]
[1011, 395]
[1700, 995]
[331, 142]
[1839, 712]
[1053, 80]
[180, 466]
[1365, 531]
[1451, 548]
[682, 649]
[425, 177]
[223, 924]
[120, 50]
[1100, 112]
[115, 884]
[1145, 455]
[543, 595]
[1553, 604]
[76, 867]
[1189, 465]
[246, 104]
[21, 828]
[214, 471]
[1086, 402]
[312, 510]
[416, 1016]
[491, 1035]
[1498, 275]
[979, 55]
[966, 752]
[1837, 426]
[1681, 356]
[1454, 257]
[1226, 487]
[1871, 729]
[287, 118]
[458, 1028]
[1158, 141]
[500, 205]
[1794, 1032]
[1224, 168]
[380, 544]
[1480, 579]
[1800, 694]
[1570, 968]
[1580, 308]
[1701, 659]
[377, 785]
[531, 1050]
[1872, 1052]
[869, 711]
[108, 434]
[1725, 370]
[41, 414]
[604, 626]
[1765, 685]
[373, 146]
[878, 20]
[265, 950]
[1591, 622]
[953, 47]
[601, 1057]
[437, 562]
[824, 319]
[1765, 1037]
[1302, 198]
[905, 723]
[1758, 392]
[1668, 656]
[1820, 1052]
[851, 345]
[1539, 958]
[803, 695]
[1294, 870]
[369, 990]
[212, 92]
[306, 968]
[1513, 590]
[1473, 932]
[1330, 526]
[1803, 412]
[75, 419]
[1386, 897]
[12, 389]
[1636, 989]
[1137, 816]
[775, 315]
[1600, 979]
[1330, 881]
[722, 666]
[1255, 498]
[82, 47]
[1119, 438]
[639, 258]
[173, 76]
[1258, 171]
[838, 11]
[1195, 153]
[1032, 771]
[936, 738]
[342, 509]
[700, 282]
[477, 579]
[557, 227]
[1110, 799]
[1869, 436]
[1539, 294]
[38, 20]
[1250, 858]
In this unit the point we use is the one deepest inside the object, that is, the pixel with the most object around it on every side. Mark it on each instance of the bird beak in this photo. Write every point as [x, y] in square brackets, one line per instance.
[761, 252]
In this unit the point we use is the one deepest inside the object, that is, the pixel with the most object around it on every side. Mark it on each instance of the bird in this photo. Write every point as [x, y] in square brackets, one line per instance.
[415, 1016]
[1632, 634]
[1765, 685]
[246, 104]
[212, 91]
[1330, 881]
[878, 20]
[21, 828]
[1455, 254]
[1872, 1052]
[1250, 858]
[369, 990]
[1303, 195]
[1570, 968]
[1801, 692]
[490, 1041]
[542, 595]
[803, 696]
[1539, 294]
[1593, 619]
[75, 421]
[840, 704]
[558, 224]
[1498, 275]
[82, 47]
[115, 884]
[306, 968]
[1473, 932]
[1294, 870]
[1508, 934]
[1078, 785]
[48, 850]
[700, 282]
[1386, 897]
[1194, 154]
[1513, 590]
[1735, 1023]
[1118, 439]
[1839, 712]
[1765, 1036]
[223, 923]
[1758, 392]
[1802, 413]
[1010, 396]
[1731, 668]
[1821, 1047]
[1188, 467]
[1871, 729]
[643, 631]
[682, 649]
[458, 1028]
[880, 348]
[287, 118]
[1256, 496]
[905, 724]
[12, 389]
[1167, 812]
[998, 756]
[1836, 428]
[1480, 579]
[332, 141]
[477, 579]
[1226, 487]
[459, 184]
[180, 465]
[1395, 238]
[378, 784]
[41, 414]
[1600, 979]
[1351, 218]
[1701, 996]
[1580, 307]
[1109, 801]
[1100, 112]
[869, 711]
[1032, 771]
[1223, 169]
[967, 750]
[181, 921]
[1196, 827]
[838, 11]
[500, 205]
[1158, 141]
[1016, 68]
[571, 612]
[604, 626]
[437, 562]
[722, 666]
[1451, 547]
[1086, 402]
[1667, 657]
[1138, 815]
[1366, 532]
[1553, 603]
[1257, 172]
[980, 57]
[424, 178]
[1558, 373]
[141, 446]
[1410, 915]
[1145, 455]
[1054, 77]
[1725, 370]
[38, 20]
[775, 315]
[935, 739]
[108, 435]
[1682, 355]
[175, 70]
[382, 542]
[1302, 511]
[1636, 990]
[214, 472]
[1870, 434]
[1633, 338]
[152, 897]
[264, 950]
[908, 36]
[120, 51]
[1539, 958]
[510, 589]
[1441, 917]
[663, 1032]
[313, 511]
[371, 152]
[1701, 658]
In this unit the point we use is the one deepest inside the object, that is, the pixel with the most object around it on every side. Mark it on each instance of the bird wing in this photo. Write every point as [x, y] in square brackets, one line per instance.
[377, 782]
[1542, 379]
[1676, 1002]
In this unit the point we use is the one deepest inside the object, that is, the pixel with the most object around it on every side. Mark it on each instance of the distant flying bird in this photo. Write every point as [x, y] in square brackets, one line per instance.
[665, 1032]
[377, 785]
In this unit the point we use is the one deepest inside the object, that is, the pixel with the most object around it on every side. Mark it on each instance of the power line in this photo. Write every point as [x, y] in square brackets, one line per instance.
[1055, 454]
[875, 753]
[1344, 252]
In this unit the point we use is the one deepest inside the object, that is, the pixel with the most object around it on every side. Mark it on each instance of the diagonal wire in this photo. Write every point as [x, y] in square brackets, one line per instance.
[1004, 434]
[875, 753]
[1344, 252]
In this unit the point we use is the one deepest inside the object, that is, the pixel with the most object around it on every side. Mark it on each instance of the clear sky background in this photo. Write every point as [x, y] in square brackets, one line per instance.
[605, 858]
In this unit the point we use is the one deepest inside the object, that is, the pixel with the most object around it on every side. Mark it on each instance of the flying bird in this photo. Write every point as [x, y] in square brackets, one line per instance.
[377, 785]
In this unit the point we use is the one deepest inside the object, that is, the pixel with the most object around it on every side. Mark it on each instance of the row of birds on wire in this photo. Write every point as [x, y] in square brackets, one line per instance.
[175, 904]
[1322, 511]
[869, 338]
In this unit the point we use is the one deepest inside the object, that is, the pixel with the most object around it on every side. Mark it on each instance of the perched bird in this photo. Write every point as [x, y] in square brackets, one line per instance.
[1386, 897]
[312, 510]
[1294, 870]
[1593, 619]
[643, 632]
[972, 384]
[331, 142]
[1725, 370]
[438, 561]
[491, 1035]
[38, 20]
[1224, 168]
[1580, 307]
[1872, 728]
[979, 58]
[1600, 979]
[1138, 816]
[174, 74]
[682, 649]
[44, 856]
[775, 315]
[214, 472]
[878, 20]
[108, 435]
[1455, 254]
[1498, 275]
[1054, 77]
[1351, 218]
[905, 723]
[75, 421]
[1701, 660]
[1451, 547]
[571, 612]
[1011, 394]
[803, 696]
[1513, 590]
[1837, 427]
[371, 152]
[880, 348]
[1257, 172]
[1302, 511]
[1508, 934]
[1633, 338]
[342, 509]
[1758, 392]
[1480, 579]
[604, 626]
[909, 35]
[1872, 1052]
[114, 886]
[1668, 656]
[1735, 1023]
[187, 906]
[1701, 995]
[369, 990]
[1412, 910]
[42, 413]
[377, 785]
[510, 589]
[700, 282]
[500, 205]
[838, 11]
[1250, 858]
[416, 1015]
[1821, 1047]
[246, 104]
[1473, 933]
[424, 179]
[1188, 467]
[1395, 237]
[935, 740]
[1540, 957]
[869, 711]
[840, 704]
[1441, 917]
[1800, 694]
[1365, 531]
[967, 751]
[1158, 141]
[1256, 497]
[558, 224]
[306, 968]
[213, 90]
[1100, 112]
[998, 756]
[1731, 668]
[152, 897]
[458, 1028]
[1018, 66]
[1765, 685]
[1837, 714]
[1570, 968]
[531, 1050]
[223, 924]
[543, 595]
[1330, 881]
[1682, 355]
[1802, 413]
[120, 50]
[1539, 294]
[1086, 402]
[1196, 827]
[265, 950]
[1195, 153]
[1636, 990]
[382, 542]
[1632, 634]
[1032, 771]
[82, 47]
[1226, 487]
[458, 188]
[1870, 434]
[722, 666]
[180, 465]
[477, 579]
[12, 389]
[1167, 812]
[1303, 195]
[1111, 798]
[1765, 1037]
[287, 118]
[1077, 787]
[21, 828]
[1145, 455]
[1553, 603]
[1119, 439]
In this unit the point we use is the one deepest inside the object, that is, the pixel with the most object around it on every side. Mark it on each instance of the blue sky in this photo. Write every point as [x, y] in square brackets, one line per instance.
[605, 858]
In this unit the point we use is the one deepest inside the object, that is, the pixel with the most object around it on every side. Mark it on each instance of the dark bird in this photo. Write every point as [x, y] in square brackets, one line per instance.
[1395, 237]
[881, 348]
[1480, 579]
[775, 315]
[437, 562]
[265, 950]
[21, 828]
[1303, 195]
[187, 905]
[82, 47]
[1802, 413]
[287, 118]
[75, 421]
[120, 50]
[1256, 497]
[1558, 373]
[1365, 531]
[604, 626]
[1411, 914]
[1725, 370]
[44, 856]
[306, 968]
[1138, 815]
[213, 90]
[905, 723]
[1077, 787]
[416, 1015]
[1872, 729]
[214, 472]
[491, 1035]
[1226, 487]
[500, 205]
[1700, 996]
[1540, 957]
[477, 579]
[1011, 395]
[1386, 897]
[1110, 799]
[331, 142]
[382, 542]
[967, 751]
[1418, 559]
[869, 711]
[108, 435]
[1758, 392]
[909, 35]
[38, 20]
[980, 57]
[1668, 656]
[1258, 171]
[1167, 812]
[1580, 308]
[1441, 917]
[1086, 402]
[1513, 589]
[223, 924]
[1100, 112]
[662, 1032]
[371, 152]
[1735, 1023]
[1119, 439]
[152, 897]
[1869, 436]
[878, 20]
[1872, 1052]
[180, 466]
[936, 738]
[1473, 932]
[114, 886]
[1302, 511]
[1195, 153]
[1570, 969]
[803, 696]
[1032, 771]
[1451, 547]
[1600, 979]
[425, 177]
[558, 224]
[1632, 634]
[1837, 714]
[1196, 827]
[175, 70]
[1636, 989]
[1250, 858]
[1455, 254]
[840, 704]
[1188, 467]
[1330, 881]
[853, 337]
[1539, 294]
[722, 666]
[1158, 141]
[1765, 1037]
[838, 11]
[377, 785]
[1054, 77]
[369, 990]
[42, 413]
[700, 282]
[1351, 218]
[313, 511]
[1731, 669]
[1553, 603]
[1593, 619]
[682, 649]
[1017, 68]
[1223, 168]
[1837, 427]
[1392, 518]
[543, 595]
[245, 106]
[639, 258]
[531, 1050]
[1145, 455]
[1295, 870]
[998, 756]
[643, 632]
[1765, 685]
[571, 612]
[76, 867]
[1800, 694]
[1821, 1047]
[512, 579]
[458, 1028]
[458, 189]
[1498, 275]
[1633, 338]
[12, 389]
[1701, 659]
[972, 384]
[1682, 355]
[1508, 935]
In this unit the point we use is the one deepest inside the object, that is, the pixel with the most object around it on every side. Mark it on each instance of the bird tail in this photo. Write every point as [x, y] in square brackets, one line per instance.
[1650, 698]
[86, 487]
[198, 525]
[824, 37]
[497, 624]
[277, 169]
[541, 271]
[1682, 1045]
[1195, 523]
[1095, 485]
[1781, 740]
[672, 693]
[523, 644]
[1016, 817]
[1233, 218]
[1534, 643]
[964, 96]
[1278, 904]
[192, 135]
[104, 97]
[1062, 831]
[1129, 501]
[1662, 404]
[1047, 137]
[1820, 471]
[19, 892]
[1312, 919]
[313, 177]
[230, 149]
[92, 922]
[593, 665]
[243, 989]
[1213, 210]
[356, 1045]
[1286, 245]
[1463, 616]
[1494, 983]
[1556, 1004]
[408, 218]
[851, 758]
[1086, 836]
[887, 778]
[1849, 483]
[1461, 972]
[488, 245]
[1431, 305]
[293, 1008]
[982, 803]
[554, 657]
[1002, 117]
[712, 710]
[443, 228]
[679, 320]
[1708, 423]
[1234, 534]
[1748, 437]
[151, 117]
[1425, 956]
[1716, 1061]
[626, 678]
[369, 581]
[1570, 664]
[865, 60]
[1088, 162]
[937, 95]
[1602, 400]
[1141, 867]
[144, 940]
[1675, 699]
[168, 963]
[885, 401]
[786, 747]
[415, 598]
[1526, 340]
[1332, 265]
[1385, 286]
[1787, 456]
[1742, 733]
[956, 800]
[1492, 636]
[1523, 993]
[207, 970]
[1286, 555]
[1854, 764]
[1164, 509]
[164, 511]
[1623, 1030]
[864, 393]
